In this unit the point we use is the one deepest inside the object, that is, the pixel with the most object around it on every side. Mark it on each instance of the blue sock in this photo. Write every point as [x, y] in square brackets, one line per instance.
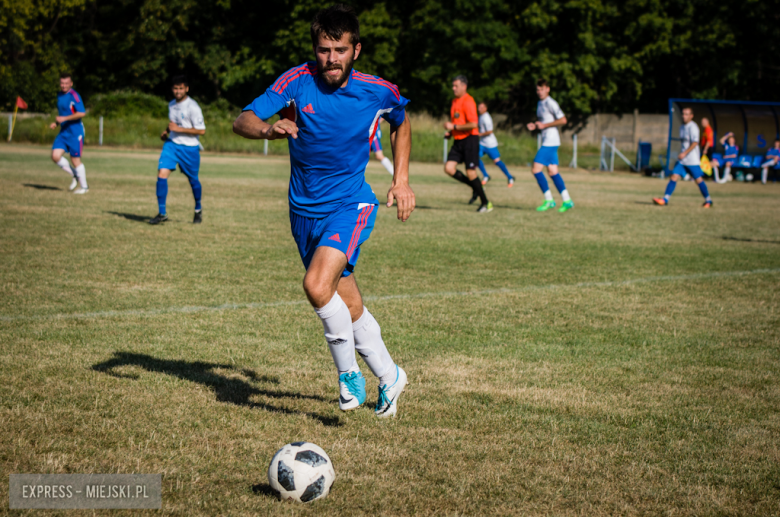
[559, 184]
[542, 181]
[669, 189]
[162, 193]
[196, 191]
[704, 191]
[482, 168]
[504, 169]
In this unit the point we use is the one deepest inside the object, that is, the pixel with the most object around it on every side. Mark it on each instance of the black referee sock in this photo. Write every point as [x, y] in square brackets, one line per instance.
[478, 190]
[461, 177]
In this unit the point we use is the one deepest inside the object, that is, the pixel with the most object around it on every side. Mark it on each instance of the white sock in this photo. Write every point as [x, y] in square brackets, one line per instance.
[337, 323]
[565, 195]
[548, 196]
[727, 171]
[370, 346]
[390, 377]
[64, 164]
[764, 175]
[81, 174]
[388, 164]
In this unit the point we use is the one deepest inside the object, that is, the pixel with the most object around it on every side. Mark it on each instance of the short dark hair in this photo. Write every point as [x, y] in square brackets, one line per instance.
[333, 22]
[65, 75]
[688, 108]
[462, 78]
[542, 82]
[482, 102]
[179, 79]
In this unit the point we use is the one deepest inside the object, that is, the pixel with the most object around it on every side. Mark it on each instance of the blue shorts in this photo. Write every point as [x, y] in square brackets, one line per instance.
[376, 145]
[345, 229]
[185, 156]
[693, 170]
[547, 156]
[72, 141]
[490, 151]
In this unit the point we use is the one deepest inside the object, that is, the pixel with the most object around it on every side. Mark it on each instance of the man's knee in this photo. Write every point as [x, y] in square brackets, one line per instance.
[450, 168]
[676, 177]
[471, 173]
[497, 160]
[163, 173]
[318, 289]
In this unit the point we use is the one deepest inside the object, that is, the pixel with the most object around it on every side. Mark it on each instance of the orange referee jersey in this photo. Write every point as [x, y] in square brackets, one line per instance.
[463, 111]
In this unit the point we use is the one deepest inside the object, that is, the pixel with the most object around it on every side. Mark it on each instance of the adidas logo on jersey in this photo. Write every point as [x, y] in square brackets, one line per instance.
[308, 109]
[334, 238]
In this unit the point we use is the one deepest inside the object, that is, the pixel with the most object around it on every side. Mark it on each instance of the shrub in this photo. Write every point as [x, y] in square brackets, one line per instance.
[121, 104]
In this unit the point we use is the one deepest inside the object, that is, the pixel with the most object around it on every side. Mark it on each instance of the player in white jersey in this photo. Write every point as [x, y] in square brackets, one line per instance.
[181, 147]
[688, 161]
[376, 148]
[488, 144]
[550, 118]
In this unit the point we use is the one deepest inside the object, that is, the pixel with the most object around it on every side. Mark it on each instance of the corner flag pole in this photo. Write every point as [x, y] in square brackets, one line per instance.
[13, 124]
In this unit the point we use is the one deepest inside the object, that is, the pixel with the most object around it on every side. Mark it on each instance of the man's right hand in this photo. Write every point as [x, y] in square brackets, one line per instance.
[282, 128]
[164, 136]
[52, 125]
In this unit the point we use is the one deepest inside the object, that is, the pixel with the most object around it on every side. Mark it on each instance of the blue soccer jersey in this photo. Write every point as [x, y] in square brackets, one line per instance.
[68, 104]
[335, 130]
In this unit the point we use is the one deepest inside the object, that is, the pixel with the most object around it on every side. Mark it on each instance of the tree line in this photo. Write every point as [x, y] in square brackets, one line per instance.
[598, 55]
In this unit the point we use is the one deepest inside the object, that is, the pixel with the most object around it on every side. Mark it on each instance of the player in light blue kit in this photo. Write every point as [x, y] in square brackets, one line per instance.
[376, 148]
[330, 129]
[688, 161]
[181, 147]
[70, 111]
[550, 118]
[489, 145]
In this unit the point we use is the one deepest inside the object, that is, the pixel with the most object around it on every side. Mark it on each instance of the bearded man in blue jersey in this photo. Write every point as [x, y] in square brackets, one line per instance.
[330, 118]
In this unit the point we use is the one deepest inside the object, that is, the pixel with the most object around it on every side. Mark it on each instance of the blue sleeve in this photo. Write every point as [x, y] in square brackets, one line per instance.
[390, 98]
[79, 105]
[281, 93]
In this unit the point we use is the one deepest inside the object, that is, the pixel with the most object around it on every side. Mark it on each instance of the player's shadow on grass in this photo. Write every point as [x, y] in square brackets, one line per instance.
[132, 217]
[727, 238]
[40, 187]
[227, 389]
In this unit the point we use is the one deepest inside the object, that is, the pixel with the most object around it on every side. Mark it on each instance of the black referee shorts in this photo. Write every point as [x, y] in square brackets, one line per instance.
[465, 151]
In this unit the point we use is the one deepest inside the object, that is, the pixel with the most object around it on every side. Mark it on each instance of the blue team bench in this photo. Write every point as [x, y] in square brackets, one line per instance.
[746, 162]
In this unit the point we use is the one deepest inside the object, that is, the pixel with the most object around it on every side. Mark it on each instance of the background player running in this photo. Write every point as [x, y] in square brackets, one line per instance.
[463, 128]
[332, 208]
[376, 148]
[688, 161]
[489, 145]
[550, 118]
[70, 111]
[181, 148]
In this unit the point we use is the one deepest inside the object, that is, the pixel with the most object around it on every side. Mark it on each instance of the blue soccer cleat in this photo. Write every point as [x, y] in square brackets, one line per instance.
[352, 390]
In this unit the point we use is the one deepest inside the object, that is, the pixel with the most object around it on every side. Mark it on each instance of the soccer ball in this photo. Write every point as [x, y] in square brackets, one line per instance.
[748, 177]
[301, 471]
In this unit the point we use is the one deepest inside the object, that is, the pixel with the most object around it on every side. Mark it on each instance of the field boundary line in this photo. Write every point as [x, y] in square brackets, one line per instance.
[439, 294]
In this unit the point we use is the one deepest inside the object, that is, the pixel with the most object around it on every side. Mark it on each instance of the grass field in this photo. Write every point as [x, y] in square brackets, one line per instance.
[619, 359]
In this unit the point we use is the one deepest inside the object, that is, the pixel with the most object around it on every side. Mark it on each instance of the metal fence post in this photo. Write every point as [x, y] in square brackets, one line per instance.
[444, 155]
[10, 126]
[573, 163]
[612, 157]
[602, 160]
[265, 147]
[100, 136]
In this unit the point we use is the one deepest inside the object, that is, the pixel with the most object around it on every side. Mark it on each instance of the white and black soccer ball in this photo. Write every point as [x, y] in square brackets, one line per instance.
[301, 471]
[748, 177]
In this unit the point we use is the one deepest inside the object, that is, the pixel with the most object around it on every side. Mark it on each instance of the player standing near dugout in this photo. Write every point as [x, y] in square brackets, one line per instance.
[181, 147]
[489, 145]
[332, 208]
[70, 111]
[689, 160]
[463, 129]
[550, 117]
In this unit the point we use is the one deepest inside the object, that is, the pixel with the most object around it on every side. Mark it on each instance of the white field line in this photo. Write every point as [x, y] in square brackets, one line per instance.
[441, 294]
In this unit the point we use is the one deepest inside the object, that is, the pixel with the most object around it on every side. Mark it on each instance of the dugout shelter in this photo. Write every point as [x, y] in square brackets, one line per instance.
[755, 124]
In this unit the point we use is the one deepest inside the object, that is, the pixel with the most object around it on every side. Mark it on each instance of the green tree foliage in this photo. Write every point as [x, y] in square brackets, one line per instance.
[599, 55]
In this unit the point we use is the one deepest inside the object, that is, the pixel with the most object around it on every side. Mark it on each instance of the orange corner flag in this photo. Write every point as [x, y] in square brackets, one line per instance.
[20, 103]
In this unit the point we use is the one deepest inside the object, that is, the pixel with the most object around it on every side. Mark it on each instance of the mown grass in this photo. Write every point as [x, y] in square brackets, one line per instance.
[541, 381]
[144, 133]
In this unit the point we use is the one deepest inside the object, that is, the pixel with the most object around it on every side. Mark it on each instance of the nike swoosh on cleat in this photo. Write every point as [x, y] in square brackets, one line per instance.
[343, 400]
[389, 405]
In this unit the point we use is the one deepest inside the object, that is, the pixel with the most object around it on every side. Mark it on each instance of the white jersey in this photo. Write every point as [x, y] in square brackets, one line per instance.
[548, 111]
[186, 114]
[689, 133]
[486, 124]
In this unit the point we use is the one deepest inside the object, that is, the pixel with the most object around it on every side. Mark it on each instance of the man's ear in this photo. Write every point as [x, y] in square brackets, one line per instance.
[356, 53]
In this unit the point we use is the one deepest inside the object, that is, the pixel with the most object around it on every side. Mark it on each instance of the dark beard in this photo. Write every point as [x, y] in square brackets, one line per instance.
[339, 81]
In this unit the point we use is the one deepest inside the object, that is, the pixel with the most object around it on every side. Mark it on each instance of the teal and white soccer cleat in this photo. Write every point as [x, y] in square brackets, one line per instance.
[567, 205]
[387, 403]
[546, 206]
[81, 191]
[73, 184]
[352, 390]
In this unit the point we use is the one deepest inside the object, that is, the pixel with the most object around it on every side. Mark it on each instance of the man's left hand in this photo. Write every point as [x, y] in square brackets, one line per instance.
[173, 127]
[404, 197]
[449, 126]
[681, 156]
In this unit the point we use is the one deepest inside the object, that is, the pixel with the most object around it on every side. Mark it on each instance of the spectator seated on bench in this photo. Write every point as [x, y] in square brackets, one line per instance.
[729, 158]
[772, 160]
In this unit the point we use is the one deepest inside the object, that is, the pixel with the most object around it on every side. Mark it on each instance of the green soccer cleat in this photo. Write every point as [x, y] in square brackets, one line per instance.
[546, 206]
[567, 205]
